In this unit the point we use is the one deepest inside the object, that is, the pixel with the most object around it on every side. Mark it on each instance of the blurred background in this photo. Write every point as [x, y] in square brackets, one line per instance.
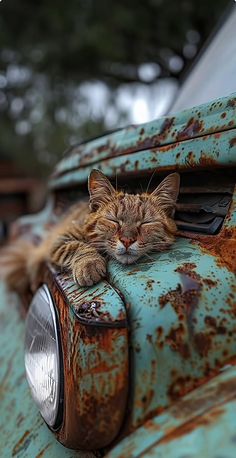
[74, 70]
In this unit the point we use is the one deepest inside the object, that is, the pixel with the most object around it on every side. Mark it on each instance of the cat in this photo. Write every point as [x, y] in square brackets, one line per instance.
[112, 224]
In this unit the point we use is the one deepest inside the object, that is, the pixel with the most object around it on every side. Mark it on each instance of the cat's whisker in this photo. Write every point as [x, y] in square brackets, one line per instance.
[150, 180]
[149, 257]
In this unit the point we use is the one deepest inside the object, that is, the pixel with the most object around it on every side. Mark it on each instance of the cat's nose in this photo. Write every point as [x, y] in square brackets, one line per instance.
[127, 241]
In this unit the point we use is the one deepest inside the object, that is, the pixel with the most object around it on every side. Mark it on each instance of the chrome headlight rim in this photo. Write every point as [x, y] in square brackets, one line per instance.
[44, 291]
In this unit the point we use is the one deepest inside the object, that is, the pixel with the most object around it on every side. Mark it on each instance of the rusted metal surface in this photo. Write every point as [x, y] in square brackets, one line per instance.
[180, 304]
[201, 153]
[181, 308]
[200, 424]
[223, 245]
[95, 357]
[23, 433]
[100, 305]
[209, 118]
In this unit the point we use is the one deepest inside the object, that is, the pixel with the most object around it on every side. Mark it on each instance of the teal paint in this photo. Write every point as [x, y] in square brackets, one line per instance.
[196, 154]
[23, 433]
[201, 424]
[181, 320]
[212, 117]
[111, 307]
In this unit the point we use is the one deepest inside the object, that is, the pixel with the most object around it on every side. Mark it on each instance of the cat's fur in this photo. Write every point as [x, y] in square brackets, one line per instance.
[120, 225]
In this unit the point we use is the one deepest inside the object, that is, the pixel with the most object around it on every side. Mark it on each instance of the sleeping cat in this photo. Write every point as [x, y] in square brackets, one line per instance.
[113, 223]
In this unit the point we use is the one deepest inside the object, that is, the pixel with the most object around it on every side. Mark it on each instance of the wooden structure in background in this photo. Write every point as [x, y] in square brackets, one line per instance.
[19, 195]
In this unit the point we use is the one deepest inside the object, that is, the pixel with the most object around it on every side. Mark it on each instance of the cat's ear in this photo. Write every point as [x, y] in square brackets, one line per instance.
[100, 189]
[167, 193]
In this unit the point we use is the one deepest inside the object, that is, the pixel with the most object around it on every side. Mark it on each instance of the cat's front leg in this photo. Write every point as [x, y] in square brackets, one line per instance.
[88, 267]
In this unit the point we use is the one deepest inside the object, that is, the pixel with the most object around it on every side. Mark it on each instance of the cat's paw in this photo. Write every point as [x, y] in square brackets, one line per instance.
[88, 272]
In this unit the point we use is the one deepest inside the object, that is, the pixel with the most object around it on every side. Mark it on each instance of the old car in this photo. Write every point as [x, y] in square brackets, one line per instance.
[142, 364]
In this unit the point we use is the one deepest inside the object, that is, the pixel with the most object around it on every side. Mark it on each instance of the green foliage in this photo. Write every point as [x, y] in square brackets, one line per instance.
[50, 49]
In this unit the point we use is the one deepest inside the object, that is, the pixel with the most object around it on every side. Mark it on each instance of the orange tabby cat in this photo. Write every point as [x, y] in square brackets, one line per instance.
[114, 223]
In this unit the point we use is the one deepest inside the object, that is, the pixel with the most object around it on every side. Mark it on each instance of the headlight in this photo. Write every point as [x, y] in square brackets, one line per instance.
[76, 358]
[42, 356]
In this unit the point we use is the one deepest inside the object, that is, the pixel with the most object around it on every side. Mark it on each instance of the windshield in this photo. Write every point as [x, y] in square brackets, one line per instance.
[214, 75]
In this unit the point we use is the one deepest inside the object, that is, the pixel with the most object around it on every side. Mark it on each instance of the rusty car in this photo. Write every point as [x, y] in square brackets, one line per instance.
[144, 363]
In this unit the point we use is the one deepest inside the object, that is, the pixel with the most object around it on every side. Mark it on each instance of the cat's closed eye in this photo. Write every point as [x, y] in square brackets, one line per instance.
[146, 223]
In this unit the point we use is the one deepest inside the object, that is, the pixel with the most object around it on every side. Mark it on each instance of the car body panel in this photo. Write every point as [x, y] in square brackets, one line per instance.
[201, 424]
[173, 315]
[22, 430]
[169, 143]
[94, 339]
[182, 320]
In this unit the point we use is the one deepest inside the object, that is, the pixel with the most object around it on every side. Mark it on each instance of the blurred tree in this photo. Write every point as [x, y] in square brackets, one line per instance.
[51, 52]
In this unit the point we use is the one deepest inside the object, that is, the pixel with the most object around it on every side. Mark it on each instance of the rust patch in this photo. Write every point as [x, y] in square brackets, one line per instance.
[232, 142]
[180, 386]
[187, 267]
[183, 301]
[210, 321]
[150, 425]
[203, 420]
[176, 341]
[202, 343]
[156, 140]
[159, 342]
[21, 444]
[221, 246]
[231, 103]
[166, 126]
[183, 385]
[209, 282]
[185, 297]
[147, 399]
[179, 299]
[206, 161]
[150, 285]
[224, 389]
[218, 135]
[190, 159]
[40, 454]
[217, 328]
[193, 127]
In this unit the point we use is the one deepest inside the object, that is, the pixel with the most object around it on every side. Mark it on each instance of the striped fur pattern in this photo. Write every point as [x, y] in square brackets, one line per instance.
[114, 223]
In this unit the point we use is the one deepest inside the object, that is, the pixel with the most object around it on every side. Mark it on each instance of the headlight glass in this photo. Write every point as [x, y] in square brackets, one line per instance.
[42, 355]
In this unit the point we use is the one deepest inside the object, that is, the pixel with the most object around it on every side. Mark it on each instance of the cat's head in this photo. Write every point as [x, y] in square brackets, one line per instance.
[128, 226]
